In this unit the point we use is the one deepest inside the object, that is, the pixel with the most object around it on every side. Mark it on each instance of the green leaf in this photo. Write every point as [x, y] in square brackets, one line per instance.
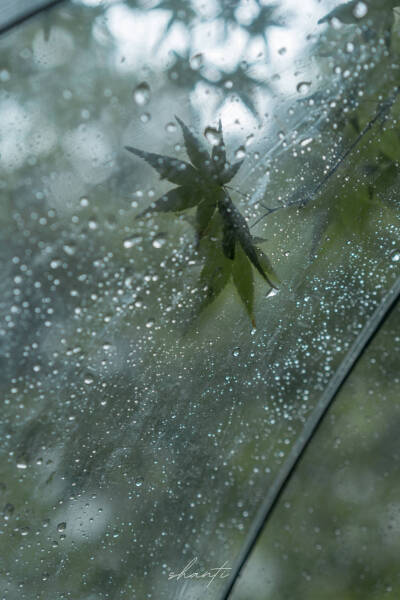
[176, 171]
[244, 282]
[176, 200]
[228, 241]
[230, 171]
[233, 219]
[194, 147]
[215, 274]
[204, 213]
[268, 269]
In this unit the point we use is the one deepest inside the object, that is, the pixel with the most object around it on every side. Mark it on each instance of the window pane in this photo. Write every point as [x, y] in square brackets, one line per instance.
[158, 366]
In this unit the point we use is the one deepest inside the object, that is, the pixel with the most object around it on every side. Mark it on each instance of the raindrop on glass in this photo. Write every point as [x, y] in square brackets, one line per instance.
[303, 87]
[360, 10]
[395, 256]
[196, 61]
[212, 135]
[272, 292]
[249, 139]
[141, 94]
[130, 242]
[240, 153]
[69, 249]
[170, 127]
[159, 241]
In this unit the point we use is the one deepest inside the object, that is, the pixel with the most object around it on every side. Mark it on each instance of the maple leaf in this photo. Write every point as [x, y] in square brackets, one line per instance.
[228, 248]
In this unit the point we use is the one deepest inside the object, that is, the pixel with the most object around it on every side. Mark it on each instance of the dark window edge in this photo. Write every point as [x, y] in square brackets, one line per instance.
[21, 18]
[359, 346]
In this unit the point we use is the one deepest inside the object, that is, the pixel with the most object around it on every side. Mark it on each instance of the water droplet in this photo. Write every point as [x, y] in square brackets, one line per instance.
[236, 352]
[139, 481]
[149, 323]
[303, 87]
[21, 465]
[88, 379]
[360, 10]
[170, 127]
[282, 50]
[395, 256]
[212, 135]
[141, 94]
[249, 139]
[84, 201]
[69, 249]
[158, 241]
[272, 292]
[132, 241]
[61, 527]
[24, 531]
[240, 153]
[196, 61]
[4, 75]
[145, 117]
[306, 142]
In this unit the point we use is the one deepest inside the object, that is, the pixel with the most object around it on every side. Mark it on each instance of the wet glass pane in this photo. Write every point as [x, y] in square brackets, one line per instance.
[335, 533]
[165, 340]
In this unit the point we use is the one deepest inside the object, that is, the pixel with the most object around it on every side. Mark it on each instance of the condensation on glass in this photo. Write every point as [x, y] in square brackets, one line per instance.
[153, 380]
[343, 502]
